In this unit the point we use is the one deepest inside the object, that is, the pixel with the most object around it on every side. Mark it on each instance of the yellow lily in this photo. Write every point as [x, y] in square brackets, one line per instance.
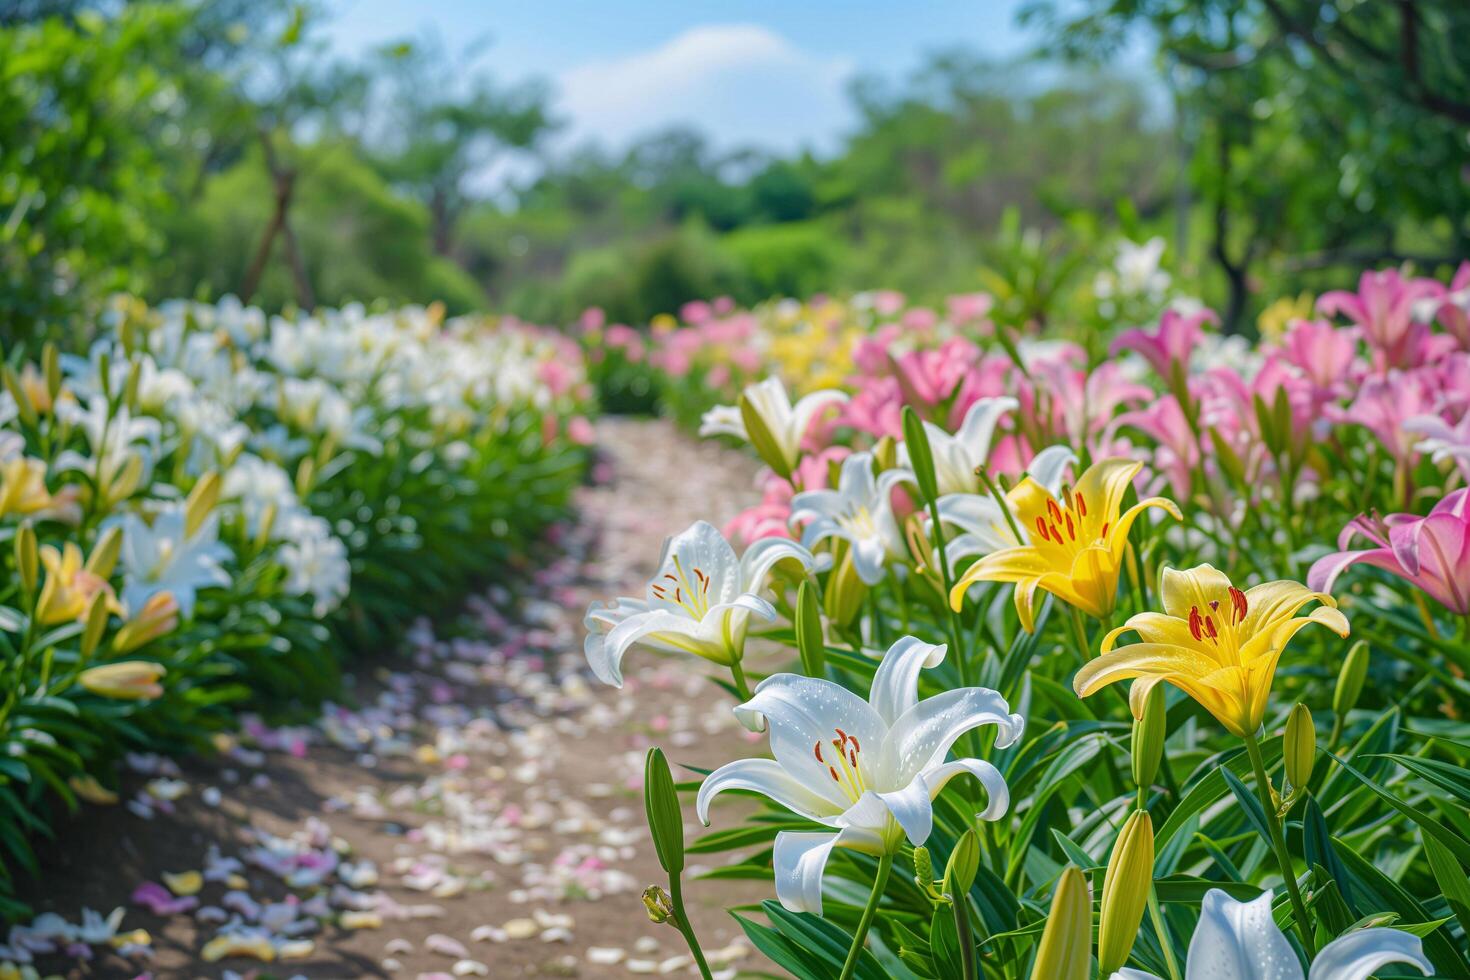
[23, 486]
[69, 588]
[1076, 544]
[1214, 642]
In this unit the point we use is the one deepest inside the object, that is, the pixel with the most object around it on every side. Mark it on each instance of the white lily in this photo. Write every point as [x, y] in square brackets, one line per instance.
[787, 424]
[984, 527]
[1240, 941]
[700, 602]
[162, 558]
[869, 769]
[859, 511]
[958, 456]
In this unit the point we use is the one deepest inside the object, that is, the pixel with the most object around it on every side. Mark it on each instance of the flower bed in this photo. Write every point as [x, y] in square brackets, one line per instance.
[210, 508]
[1147, 628]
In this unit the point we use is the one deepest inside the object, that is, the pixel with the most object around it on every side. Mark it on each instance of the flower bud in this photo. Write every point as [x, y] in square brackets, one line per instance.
[762, 440]
[809, 641]
[1126, 888]
[27, 558]
[885, 454]
[305, 477]
[1299, 747]
[659, 905]
[51, 367]
[130, 386]
[159, 615]
[964, 862]
[1148, 737]
[130, 680]
[23, 406]
[98, 614]
[103, 558]
[1350, 679]
[661, 804]
[921, 456]
[1065, 951]
[845, 591]
[126, 481]
[201, 502]
[923, 869]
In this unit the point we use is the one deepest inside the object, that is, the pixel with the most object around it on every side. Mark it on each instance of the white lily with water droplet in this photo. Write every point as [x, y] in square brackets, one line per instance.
[859, 511]
[700, 602]
[868, 769]
[1240, 941]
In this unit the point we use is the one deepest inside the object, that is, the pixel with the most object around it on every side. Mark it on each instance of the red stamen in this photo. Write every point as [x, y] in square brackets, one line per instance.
[1041, 530]
[1105, 530]
[818, 749]
[1071, 529]
[1055, 511]
[1210, 628]
[835, 778]
[1194, 623]
[1081, 506]
[1239, 604]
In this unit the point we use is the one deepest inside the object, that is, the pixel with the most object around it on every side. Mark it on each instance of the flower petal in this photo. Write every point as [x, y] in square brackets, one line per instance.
[1239, 941]
[761, 558]
[803, 713]
[702, 549]
[922, 736]
[799, 860]
[1359, 954]
[895, 686]
[764, 776]
[998, 795]
[1184, 588]
[1049, 466]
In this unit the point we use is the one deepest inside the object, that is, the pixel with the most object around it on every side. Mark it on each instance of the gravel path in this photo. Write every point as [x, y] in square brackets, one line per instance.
[478, 813]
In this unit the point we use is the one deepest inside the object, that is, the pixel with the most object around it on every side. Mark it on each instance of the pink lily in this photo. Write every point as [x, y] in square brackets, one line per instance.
[1384, 404]
[1431, 552]
[1323, 353]
[1177, 451]
[1171, 343]
[1384, 306]
[1454, 312]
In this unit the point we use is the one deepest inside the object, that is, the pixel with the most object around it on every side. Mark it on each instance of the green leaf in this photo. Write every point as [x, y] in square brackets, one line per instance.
[1454, 780]
[1249, 805]
[1430, 826]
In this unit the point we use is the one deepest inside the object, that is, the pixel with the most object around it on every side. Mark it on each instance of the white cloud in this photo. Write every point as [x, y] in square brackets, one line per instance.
[741, 84]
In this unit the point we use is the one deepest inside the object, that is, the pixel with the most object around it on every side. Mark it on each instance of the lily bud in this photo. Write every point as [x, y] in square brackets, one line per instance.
[201, 502]
[1350, 679]
[661, 804]
[103, 558]
[126, 481]
[131, 680]
[1126, 889]
[98, 614]
[885, 454]
[305, 477]
[159, 615]
[23, 406]
[1148, 738]
[809, 642]
[921, 455]
[130, 387]
[1299, 746]
[964, 862]
[1065, 952]
[267, 524]
[845, 591]
[104, 374]
[762, 440]
[27, 559]
[51, 367]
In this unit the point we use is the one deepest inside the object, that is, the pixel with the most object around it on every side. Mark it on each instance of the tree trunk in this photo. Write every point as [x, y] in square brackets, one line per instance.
[284, 180]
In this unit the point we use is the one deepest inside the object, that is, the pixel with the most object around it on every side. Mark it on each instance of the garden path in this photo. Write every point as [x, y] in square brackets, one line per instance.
[479, 805]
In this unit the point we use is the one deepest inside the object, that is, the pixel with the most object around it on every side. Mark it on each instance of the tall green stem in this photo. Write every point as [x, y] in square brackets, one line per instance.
[1278, 844]
[885, 865]
[955, 635]
[681, 919]
[1163, 933]
[741, 684]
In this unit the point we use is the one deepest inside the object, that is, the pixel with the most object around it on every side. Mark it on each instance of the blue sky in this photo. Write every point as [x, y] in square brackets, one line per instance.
[764, 72]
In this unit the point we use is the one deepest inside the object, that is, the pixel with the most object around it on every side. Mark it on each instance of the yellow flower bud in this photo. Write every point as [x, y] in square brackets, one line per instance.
[27, 560]
[1350, 679]
[1125, 894]
[97, 615]
[125, 480]
[51, 366]
[103, 558]
[845, 591]
[305, 477]
[1065, 952]
[159, 615]
[201, 502]
[130, 680]
[1299, 747]
[1148, 737]
[23, 404]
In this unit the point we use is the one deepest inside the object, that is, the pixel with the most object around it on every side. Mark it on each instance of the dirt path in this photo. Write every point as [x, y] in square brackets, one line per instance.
[478, 814]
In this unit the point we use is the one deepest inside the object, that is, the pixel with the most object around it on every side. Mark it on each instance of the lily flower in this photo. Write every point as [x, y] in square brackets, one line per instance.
[1385, 308]
[1171, 343]
[700, 602]
[1431, 552]
[983, 525]
[859, 511]
[870, 770]
[786, 424]
[23, 486]
[70, 587]
[1076, 550]
[958, 456]
[165, 558]
[1214, 642]
[1240, 941]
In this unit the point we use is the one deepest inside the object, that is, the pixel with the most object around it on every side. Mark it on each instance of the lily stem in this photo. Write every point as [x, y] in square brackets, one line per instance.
[885, 865]
[966, 938]
[956, 636]
[1278, 844]
[1165, 942]
[737, 672]
[681, 918]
